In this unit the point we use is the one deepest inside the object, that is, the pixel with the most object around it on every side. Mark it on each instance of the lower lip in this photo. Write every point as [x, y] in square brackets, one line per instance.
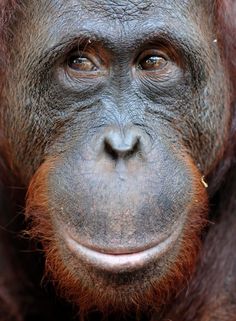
[120, 262]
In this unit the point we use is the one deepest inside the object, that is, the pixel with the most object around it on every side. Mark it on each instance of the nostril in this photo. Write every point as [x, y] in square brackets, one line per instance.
[135, 148]
[117, 146]
[108, 149]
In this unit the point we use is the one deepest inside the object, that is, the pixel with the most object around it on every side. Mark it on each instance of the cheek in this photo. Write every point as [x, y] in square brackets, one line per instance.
[207, 125]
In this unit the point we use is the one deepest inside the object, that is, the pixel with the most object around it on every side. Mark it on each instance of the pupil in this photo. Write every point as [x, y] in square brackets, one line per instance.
[79, 61]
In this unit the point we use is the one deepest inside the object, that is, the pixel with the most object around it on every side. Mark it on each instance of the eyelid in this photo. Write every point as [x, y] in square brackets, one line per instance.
[94, 52]
[85, 54]
[152, 52]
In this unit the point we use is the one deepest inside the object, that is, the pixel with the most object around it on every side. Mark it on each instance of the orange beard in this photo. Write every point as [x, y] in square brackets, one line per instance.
[89, 289]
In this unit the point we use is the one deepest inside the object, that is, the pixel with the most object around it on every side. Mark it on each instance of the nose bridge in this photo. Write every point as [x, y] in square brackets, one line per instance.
[122, 89]
[121, 79]
[120, 109]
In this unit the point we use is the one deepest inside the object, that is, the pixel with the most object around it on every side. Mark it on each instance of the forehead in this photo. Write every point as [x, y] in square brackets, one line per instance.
[109, 16]
[122, 10]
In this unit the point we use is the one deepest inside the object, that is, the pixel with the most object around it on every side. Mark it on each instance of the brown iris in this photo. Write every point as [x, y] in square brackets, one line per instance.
[82, 64]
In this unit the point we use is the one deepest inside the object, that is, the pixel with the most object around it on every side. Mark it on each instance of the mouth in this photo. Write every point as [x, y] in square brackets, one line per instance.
[116, 262]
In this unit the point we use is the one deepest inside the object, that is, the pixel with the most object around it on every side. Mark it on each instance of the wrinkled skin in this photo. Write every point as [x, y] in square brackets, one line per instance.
[111, 112]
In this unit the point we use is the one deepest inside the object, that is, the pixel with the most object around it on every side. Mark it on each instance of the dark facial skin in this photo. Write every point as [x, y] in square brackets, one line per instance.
[113, 115]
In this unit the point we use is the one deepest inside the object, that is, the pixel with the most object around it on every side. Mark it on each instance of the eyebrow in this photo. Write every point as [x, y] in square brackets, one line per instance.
[151, 35]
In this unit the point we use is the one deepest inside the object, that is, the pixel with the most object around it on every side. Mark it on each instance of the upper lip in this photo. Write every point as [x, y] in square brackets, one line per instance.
[120, 260]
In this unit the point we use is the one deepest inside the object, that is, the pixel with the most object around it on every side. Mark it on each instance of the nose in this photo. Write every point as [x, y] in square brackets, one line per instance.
[122, 145]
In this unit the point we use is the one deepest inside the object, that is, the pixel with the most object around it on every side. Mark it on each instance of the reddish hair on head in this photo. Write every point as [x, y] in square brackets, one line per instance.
[227, 32]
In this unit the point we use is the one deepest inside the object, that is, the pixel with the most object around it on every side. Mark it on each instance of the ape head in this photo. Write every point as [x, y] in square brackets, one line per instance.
[113, 114]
